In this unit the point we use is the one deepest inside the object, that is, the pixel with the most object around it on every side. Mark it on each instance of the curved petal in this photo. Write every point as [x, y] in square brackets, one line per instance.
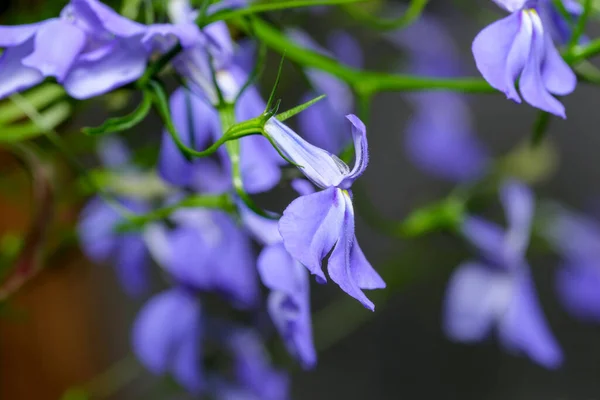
[110, 20]
[578, 287]
[475, 299]
[302, 187]
[519, 54]
[361, 151]
[51, 56]
[518, 204]
[487, 237]
[310, 227]
[132, 264]
[193, 119]
[11, 36]
[523, 327]
[95, 230]
[163, 333]
[125, 64]
[557, 76]
[289, 302]
[531, 84]
[15, 76]
[264, 230]
[321, 167]
[347, 265]
[491, 48]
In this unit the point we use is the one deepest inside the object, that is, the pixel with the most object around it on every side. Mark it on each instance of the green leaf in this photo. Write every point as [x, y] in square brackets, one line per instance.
[445, 215]
[76, 394]
[49, 119]
[298, 109]
[126, 122]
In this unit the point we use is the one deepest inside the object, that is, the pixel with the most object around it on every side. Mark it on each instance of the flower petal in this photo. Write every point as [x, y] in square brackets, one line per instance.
[193, 119]
[531, 84]
[96, 230]
[15, 76]
[310, 227]
[518, 204]
[110, 20]
[163, 329]
[511, 5]
[125, 64]
[346, 49]
[487, 237]
[321, 167]
[491, 48]
[578, 287]
[519, 54]
[11, 36]
[475, 299]
[524, 329]
[347, 265]
[50, 56]
[132, 264]
[557, 75]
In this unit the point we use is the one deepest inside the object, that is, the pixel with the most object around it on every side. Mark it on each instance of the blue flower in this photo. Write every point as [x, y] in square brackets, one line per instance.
[104, 51]
[498, 291]
[577, 239]
[520, 47]
[167, 337]
[318, 224]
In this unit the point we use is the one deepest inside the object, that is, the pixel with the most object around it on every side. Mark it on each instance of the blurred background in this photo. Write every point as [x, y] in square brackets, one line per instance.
[70, 324]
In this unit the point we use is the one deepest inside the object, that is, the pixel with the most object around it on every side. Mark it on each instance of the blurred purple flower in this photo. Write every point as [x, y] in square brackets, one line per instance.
[520, 47]
[439, 137]
[167, 337]
[577, 239]
[255, 377]
[90, 49]
[98, 222]
[322, 223]
[322, 123]
[498, 291]
[207, 251]
[289, 300]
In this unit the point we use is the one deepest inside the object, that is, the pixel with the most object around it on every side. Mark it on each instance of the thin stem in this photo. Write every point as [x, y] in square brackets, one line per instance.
[581, 24]
[412, 13]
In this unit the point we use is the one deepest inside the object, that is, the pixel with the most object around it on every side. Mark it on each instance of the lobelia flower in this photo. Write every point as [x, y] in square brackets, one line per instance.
[167, 337]
[318, 224]
[255, 377]
[289, 300]
[520, 47]
[206, 250]
[439, 137]
[577, 239]
[97, 224]
[498, 291]
[105, 50]
[322, 123]
[260, 164]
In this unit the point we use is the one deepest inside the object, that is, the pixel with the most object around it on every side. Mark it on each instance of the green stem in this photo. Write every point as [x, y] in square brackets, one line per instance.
[270, 5]
[364, 83]
[414, 10]
[581, 24]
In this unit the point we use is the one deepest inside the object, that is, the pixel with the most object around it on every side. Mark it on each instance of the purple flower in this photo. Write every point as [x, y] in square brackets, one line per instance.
[97, 228]
[577, 239]
[289, 300]
[498, 291]
[207, 251]
[439, 137]
[255, 377]
[167, 337]
[104, 51]
[314, 225]
[520, 47]
[321, 124]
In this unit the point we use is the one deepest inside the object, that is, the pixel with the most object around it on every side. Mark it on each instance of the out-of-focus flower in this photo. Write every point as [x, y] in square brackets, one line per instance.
[520, 47]
[577, 239]
[498, 291]
[206, 250]
[167, 337]
[198, 121]
[97, 228]
[90, 49]
[289, 300]
[322, 223]
[322, 123]
[439, 137]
